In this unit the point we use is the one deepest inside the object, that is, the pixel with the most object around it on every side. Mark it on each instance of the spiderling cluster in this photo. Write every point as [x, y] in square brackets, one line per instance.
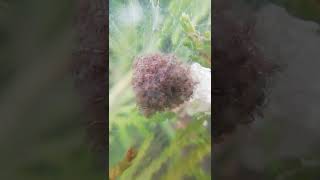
[160, 82]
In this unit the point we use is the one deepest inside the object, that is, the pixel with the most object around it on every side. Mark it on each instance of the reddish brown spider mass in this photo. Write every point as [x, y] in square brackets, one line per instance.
[160, 82]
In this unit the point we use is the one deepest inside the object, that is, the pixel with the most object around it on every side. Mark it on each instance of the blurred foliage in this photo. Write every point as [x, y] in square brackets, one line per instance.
[145, 26]
[268, 155]
[304, 9]
[159, 149]
[199, 44]
[42, 124]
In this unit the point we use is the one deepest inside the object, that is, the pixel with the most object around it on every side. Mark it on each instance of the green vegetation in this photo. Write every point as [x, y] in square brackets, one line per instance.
[181, 27]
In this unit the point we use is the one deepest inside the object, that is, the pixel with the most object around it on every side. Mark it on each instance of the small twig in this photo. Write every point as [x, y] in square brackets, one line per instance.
[206, 57]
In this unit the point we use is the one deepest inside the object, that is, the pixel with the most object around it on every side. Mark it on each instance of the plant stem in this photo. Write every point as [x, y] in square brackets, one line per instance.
[118, 89]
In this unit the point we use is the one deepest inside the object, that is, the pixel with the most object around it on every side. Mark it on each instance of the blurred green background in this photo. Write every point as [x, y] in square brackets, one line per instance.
[42, 118]
[284, 142]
